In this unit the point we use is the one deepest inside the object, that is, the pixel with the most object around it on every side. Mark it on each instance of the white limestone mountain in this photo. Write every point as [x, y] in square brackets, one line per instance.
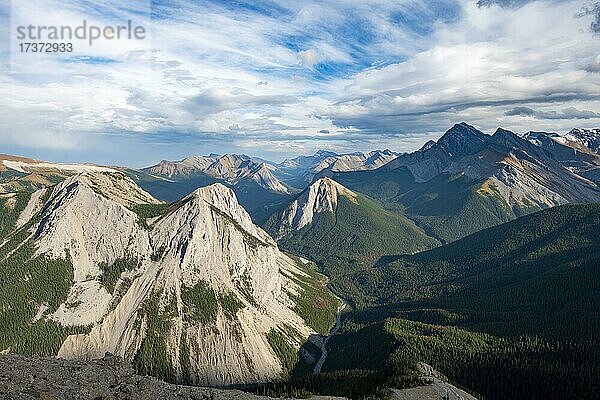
[331, 224]
[190, 292]
[320, 197]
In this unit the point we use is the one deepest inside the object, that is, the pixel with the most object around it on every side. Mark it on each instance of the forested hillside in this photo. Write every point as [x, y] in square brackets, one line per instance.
[353, 236]
[510, 312]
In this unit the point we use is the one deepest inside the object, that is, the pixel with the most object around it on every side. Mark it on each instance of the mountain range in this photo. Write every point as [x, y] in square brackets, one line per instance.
[476, 254]
[468, 181]
[301, 170]
[262, 187]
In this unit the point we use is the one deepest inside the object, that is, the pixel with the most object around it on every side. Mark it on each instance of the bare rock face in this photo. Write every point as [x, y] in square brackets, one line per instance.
[321, 196]
[90, 223]
[24, 378]
[522, 171]
[436, 387]
[194, 292]
[589, 138]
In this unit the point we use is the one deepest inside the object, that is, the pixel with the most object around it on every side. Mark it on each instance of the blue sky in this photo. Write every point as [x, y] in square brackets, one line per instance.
[279, 78]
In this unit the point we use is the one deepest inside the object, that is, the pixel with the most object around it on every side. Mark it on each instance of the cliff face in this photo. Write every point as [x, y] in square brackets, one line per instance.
[191, 294]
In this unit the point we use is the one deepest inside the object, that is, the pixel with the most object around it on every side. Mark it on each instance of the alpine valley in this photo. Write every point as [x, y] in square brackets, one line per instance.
[467, 269]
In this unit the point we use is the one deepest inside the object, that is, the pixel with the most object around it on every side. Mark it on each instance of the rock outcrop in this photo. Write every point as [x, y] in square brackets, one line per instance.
[436, 387]
[23, 378]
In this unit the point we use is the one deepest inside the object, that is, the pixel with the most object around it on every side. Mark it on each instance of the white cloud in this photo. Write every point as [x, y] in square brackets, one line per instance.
[489, 60]
[248, 78]
[308, 58]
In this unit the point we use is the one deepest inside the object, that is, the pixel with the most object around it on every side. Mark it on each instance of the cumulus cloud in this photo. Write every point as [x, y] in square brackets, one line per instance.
[216, 100]
[308, 58]
[476, 67]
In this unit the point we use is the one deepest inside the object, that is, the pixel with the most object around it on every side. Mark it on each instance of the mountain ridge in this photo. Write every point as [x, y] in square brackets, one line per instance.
[157, 290]
[228, 167]
[485, 181]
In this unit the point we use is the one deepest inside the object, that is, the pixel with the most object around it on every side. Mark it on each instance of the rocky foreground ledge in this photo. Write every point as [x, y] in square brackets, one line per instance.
[24, 378]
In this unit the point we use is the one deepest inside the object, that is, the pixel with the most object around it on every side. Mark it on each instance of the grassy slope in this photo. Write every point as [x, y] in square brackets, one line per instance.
[15, 181]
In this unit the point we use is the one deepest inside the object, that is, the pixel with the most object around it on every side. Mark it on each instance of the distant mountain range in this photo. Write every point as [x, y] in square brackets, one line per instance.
[230, 168]
[476, 254]
[464, 182]
[262, 187]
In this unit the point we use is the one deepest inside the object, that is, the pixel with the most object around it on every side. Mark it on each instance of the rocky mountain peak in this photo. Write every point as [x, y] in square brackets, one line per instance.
[521, 147]
[230, 168]
[186, 166]
[203, 248]
[540, 138]
[462, 139]
[115, 186]
[221, 199]
[589, 138]
[428, 145]
[325, 153]
[320, 197]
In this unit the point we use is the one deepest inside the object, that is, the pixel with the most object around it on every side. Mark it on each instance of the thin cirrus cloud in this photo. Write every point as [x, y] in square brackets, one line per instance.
[280, 77]
[567, 113]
